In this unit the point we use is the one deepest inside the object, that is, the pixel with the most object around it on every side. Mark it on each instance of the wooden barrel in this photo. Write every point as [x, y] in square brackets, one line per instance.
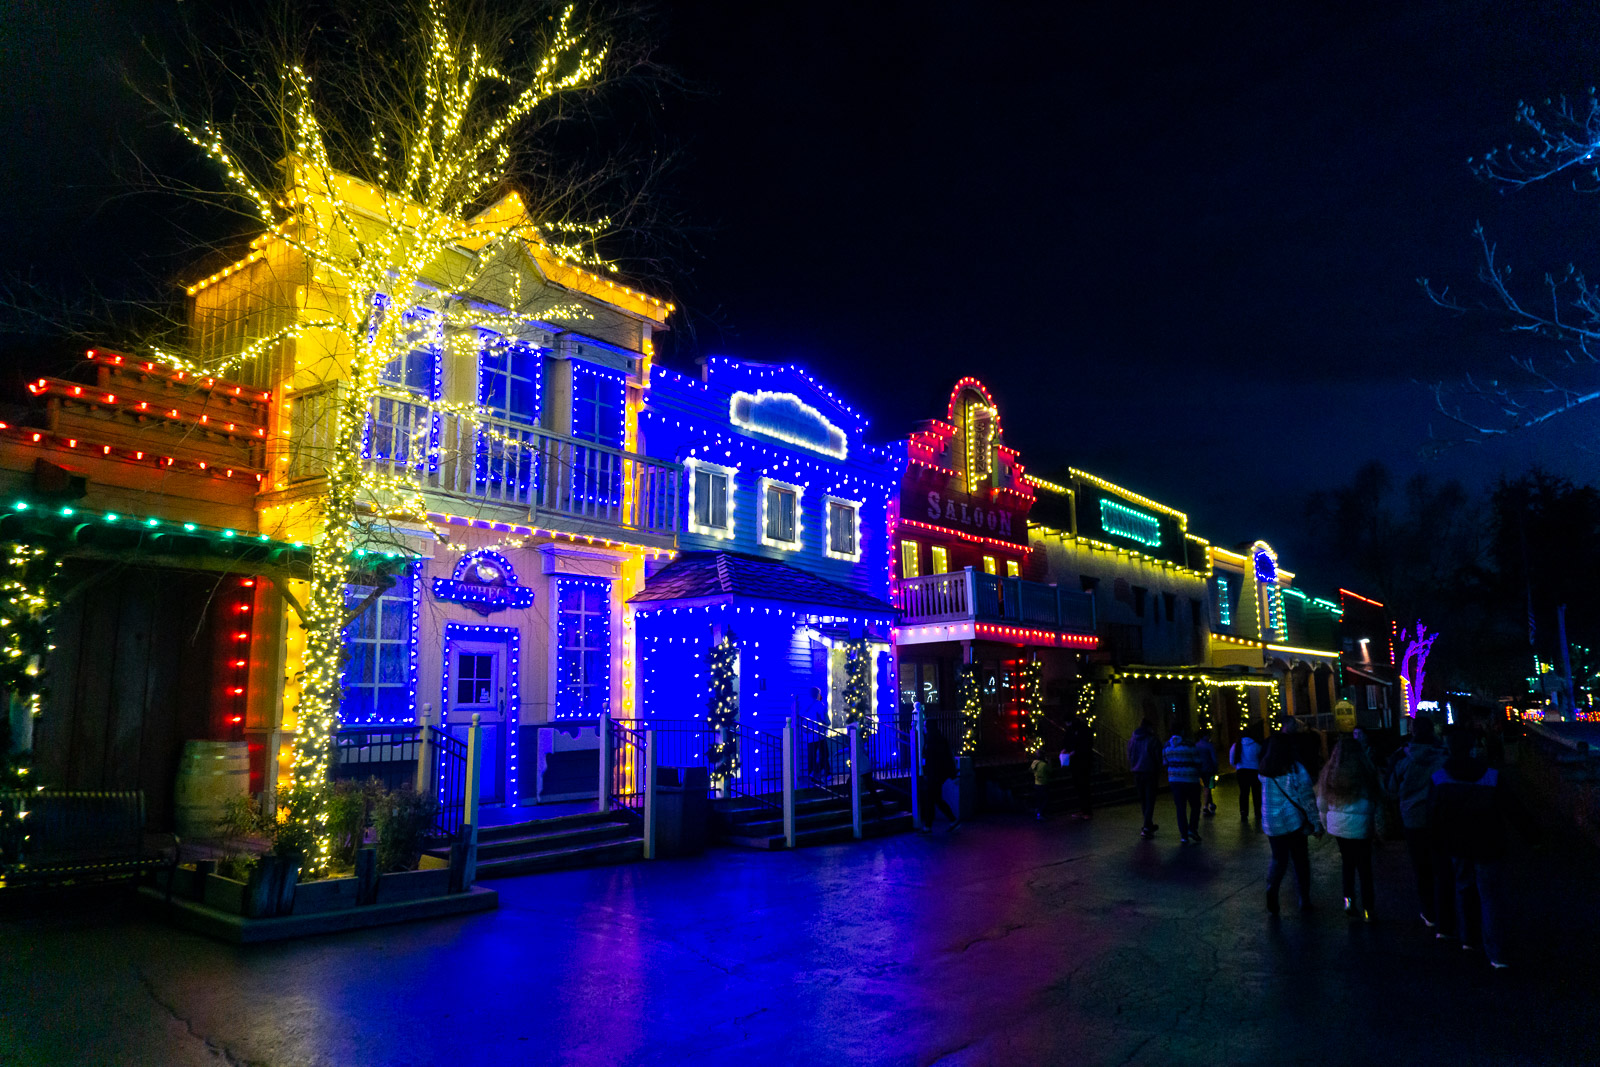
[209, 773]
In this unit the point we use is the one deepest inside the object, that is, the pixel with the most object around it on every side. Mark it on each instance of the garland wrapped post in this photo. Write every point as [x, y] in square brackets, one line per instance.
[1202, 705]
[971, 705]
[1274, 708]
[858, 685]
[28, 601]
[722, 711]
[1031, 682]
[1088, 693]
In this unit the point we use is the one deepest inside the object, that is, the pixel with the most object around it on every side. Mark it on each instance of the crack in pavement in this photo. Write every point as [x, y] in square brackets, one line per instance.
[1010, 928]
[213, 1047]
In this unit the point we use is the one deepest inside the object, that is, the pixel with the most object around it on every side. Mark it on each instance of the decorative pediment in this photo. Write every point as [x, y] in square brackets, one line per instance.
[485, 582]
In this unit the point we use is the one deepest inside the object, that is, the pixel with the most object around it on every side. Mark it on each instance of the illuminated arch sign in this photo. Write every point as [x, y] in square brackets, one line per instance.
[789, 419]
[484, 582]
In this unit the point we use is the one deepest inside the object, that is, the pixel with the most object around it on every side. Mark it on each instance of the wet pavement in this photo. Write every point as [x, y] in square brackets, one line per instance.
[1006, 942]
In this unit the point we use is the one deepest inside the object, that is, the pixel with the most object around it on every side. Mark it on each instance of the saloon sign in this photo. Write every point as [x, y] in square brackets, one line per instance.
[968, 514]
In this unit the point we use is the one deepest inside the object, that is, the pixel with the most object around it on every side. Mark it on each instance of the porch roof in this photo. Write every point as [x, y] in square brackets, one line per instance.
[703, 576]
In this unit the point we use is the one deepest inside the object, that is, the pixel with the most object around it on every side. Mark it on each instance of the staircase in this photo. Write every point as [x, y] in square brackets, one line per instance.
[820, 818]
[1014, 783]
[556, 844]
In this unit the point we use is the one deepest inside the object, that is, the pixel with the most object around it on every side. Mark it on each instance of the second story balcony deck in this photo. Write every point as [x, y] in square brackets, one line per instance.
[499, 469]
[969, 605]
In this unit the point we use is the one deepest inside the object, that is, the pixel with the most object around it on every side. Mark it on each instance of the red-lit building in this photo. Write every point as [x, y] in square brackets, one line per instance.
[135, 486]
[966, 579]
[1367, 659]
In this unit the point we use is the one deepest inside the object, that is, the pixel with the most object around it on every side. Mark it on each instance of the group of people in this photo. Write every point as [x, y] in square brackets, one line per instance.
[1456, 815]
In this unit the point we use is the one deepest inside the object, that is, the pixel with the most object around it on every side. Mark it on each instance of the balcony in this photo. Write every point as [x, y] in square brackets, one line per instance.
[969, 605]
[501, 469]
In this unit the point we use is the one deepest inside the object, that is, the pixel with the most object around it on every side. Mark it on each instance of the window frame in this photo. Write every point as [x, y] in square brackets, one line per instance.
[798, 493]
[598, 374]
[724, 532]
[938, 559]
[359, 700]
[854, 508]
[914, 549]
[1013, 569]
[572, 695]
[991, 566]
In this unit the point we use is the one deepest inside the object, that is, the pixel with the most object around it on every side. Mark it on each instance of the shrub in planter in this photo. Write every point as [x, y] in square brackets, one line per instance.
[405, 820]
[350, 807]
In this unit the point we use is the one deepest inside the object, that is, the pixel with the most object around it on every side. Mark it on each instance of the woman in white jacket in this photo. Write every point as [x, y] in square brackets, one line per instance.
[1347, 796]
[1288, 814]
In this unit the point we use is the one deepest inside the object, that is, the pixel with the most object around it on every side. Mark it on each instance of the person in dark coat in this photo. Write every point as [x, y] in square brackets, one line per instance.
[1144, 760]
[1470, 813]
[1080, 746]
[939, 766]
[1409, 780]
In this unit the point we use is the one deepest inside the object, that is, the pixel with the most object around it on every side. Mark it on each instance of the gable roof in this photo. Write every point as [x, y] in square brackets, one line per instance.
[719, 575]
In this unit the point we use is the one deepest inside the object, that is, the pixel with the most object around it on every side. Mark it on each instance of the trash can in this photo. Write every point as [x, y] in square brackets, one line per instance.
[683, 813]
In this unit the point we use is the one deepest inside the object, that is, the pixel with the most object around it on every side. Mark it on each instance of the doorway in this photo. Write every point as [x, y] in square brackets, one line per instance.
[475, 684]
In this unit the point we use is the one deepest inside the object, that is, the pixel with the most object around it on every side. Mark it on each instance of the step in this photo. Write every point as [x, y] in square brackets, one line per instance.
[625, 850]
[550, 825]
[827, 835]
[545, 842]
[773, 824]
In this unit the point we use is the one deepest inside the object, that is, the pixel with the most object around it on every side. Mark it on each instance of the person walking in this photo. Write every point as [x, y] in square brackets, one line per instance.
[1409, 780]
[1183, 764]
[939, 767]
[1208, 769]
[1287, 807]
[1245, 755]
[1041, 782]
[1470, 812]
[1144, 760]
[1080, 747]
[1347, 798]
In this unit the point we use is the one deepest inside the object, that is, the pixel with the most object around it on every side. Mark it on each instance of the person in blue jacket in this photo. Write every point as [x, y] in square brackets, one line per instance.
[1183, 764]
[1144, 760]
[1288, 815]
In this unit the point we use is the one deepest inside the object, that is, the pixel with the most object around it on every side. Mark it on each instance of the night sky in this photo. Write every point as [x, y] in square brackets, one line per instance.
[1179, 242]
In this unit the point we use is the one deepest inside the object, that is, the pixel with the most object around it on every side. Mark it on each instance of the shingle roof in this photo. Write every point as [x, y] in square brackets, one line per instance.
[704, 575]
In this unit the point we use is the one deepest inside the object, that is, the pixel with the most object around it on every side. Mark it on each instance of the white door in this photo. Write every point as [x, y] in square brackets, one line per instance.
[478, 687]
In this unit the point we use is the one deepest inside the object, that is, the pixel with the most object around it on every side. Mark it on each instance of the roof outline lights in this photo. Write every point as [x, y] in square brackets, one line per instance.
[789, 419]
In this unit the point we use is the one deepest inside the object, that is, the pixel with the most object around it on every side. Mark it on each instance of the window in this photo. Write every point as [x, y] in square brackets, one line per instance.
[989, 565]
[1169, 605]
[475, 680]
[583, 646]
[1088, 582]
[842, 529]
[1013, 569]
[941, 560]
[414, 370]
[780, 519]
[711, 498]
[597, 405]
[909, 560]
[1224, 603]
[509, 378]
[1138, 600]
[377, 676]
[1372, 697]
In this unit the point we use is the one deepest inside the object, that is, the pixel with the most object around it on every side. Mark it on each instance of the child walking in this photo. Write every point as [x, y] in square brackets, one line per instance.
[1348, 797]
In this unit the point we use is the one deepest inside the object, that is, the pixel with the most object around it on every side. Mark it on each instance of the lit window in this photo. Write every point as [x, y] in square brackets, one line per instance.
[508, 381]
[476, 681]
[583, 646]
[710, 498]
[910, 563]
[842, 529]
[941, 560]
[779, 522]
[989, 565]
[1224, 604]
[378, 673]
[597, 405]
[1013, 569]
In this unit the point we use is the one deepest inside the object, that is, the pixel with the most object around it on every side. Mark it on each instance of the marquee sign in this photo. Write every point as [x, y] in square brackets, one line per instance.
[789, 419]
[933, 500]
[484, 582]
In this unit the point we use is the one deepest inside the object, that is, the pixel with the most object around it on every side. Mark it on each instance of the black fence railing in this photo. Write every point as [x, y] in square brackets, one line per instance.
[449, 774]
[627, 768]
[388, 753]
[758, 775]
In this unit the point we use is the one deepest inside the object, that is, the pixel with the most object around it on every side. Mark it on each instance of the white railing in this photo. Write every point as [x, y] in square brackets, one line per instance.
[504, 462]
[937, 597]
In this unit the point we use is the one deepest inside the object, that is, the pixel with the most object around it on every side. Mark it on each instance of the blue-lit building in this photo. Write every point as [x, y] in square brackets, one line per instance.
[784, 547]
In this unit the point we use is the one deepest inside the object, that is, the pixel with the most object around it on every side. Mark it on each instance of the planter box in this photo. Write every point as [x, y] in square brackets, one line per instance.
[330, 894]
[214, 922]
[412, 885]
[224, 894]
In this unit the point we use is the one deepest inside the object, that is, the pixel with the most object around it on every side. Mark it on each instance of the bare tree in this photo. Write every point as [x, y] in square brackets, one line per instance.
[1562, 310]
[397, 170]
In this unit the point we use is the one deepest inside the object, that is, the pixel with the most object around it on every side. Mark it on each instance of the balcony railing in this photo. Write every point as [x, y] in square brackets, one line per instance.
[970, 595]
[550, 477]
